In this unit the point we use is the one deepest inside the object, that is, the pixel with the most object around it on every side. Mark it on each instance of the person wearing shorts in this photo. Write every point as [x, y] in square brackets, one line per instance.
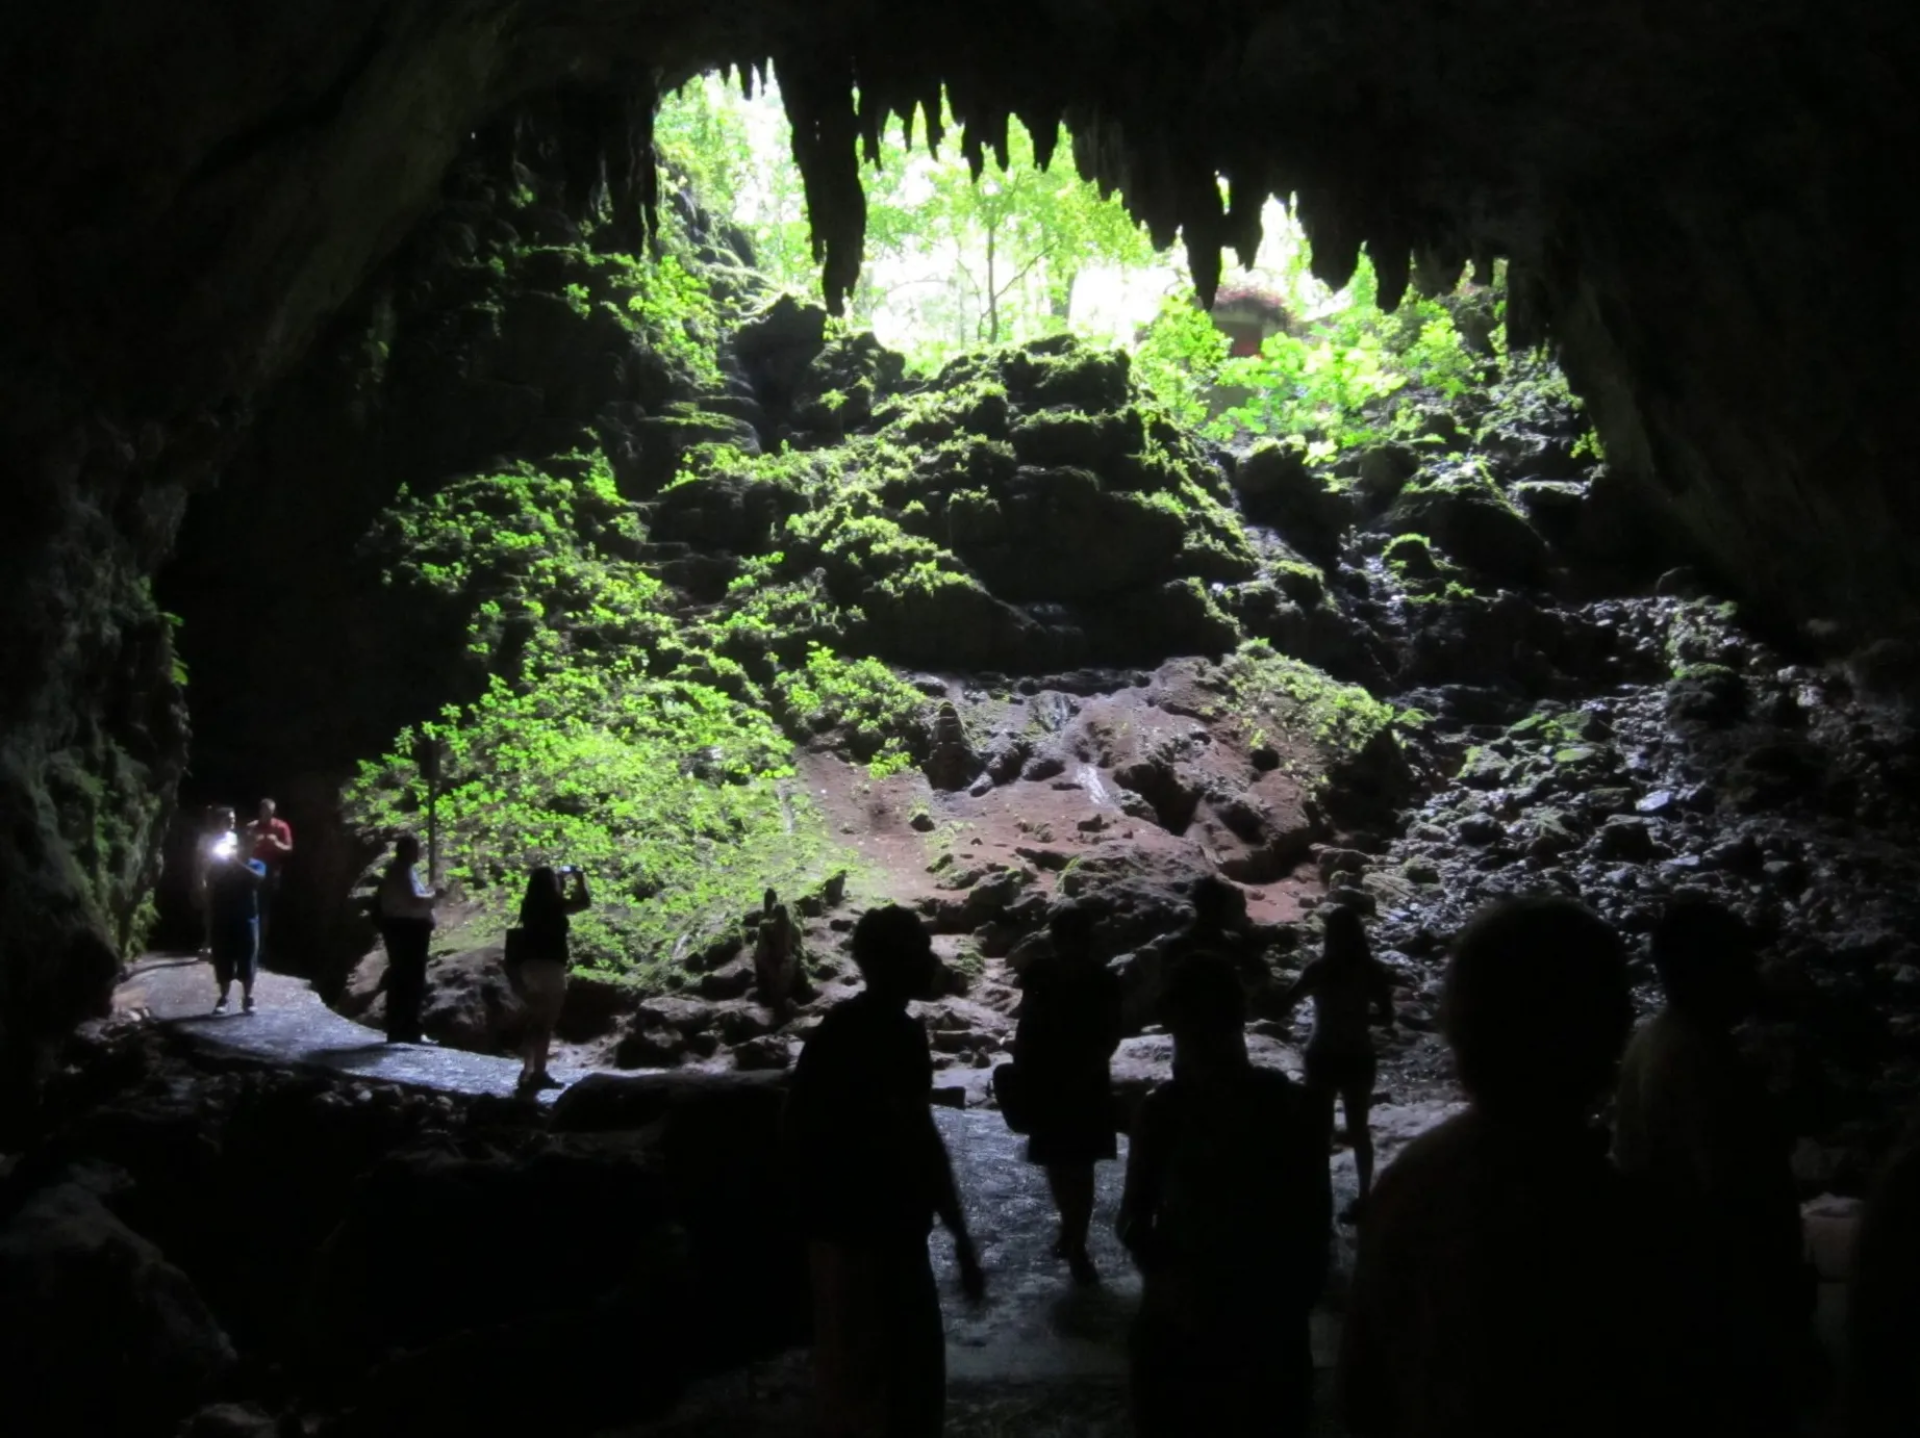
[1348, 987]
[541, 976]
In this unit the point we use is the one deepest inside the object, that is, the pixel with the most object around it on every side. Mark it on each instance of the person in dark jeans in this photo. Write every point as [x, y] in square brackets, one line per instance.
[1228, 1212]
[1069, 1028]
[234, 880]
[406, 928]
[870, 1174]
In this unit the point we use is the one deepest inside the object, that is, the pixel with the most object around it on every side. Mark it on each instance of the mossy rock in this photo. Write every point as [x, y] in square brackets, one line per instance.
[659, 443]
[1411, 557]
[1277, 488]
[1473, 522]
[1061, 370]
[725, 511]
[1068, 538]
[1272, 466]
[949, 621]
[1180, 616]
[1383, 473]
[777, 345]
[1066, 436]
[978, 407]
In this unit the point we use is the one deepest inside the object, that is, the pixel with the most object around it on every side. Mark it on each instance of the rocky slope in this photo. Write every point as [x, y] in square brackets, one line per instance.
[1421, 673]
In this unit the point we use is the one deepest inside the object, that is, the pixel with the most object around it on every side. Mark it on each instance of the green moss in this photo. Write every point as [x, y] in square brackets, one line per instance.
[1343, 719]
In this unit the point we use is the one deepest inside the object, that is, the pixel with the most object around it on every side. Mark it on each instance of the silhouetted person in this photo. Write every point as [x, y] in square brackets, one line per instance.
[1880, 1392]
[1695, 1132]
[405, 905]
[871, 1173]
[1495, 1290]
[269, 839]
[234, 881]
[546, 920]
[1211, 928]
[1069, 1028]
[776, 955]
[1348, 987]
[1228, 1212]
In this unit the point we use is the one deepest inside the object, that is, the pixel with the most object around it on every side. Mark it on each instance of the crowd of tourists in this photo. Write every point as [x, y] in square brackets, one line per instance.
[1520, 1268]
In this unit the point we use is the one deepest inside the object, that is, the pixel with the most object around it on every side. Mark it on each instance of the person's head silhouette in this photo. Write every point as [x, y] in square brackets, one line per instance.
[1213, 902]
[1204, 1008]
[894, 954]
[1536, 1008]
[1346, 936]
[1071, 929]
[1704, 953]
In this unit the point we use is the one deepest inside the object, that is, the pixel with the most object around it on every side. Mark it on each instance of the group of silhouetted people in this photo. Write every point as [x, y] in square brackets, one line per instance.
[1520, 1269]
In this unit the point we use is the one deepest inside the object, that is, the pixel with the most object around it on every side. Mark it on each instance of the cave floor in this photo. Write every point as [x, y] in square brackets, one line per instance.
[1038, 1356]
[292, 1027]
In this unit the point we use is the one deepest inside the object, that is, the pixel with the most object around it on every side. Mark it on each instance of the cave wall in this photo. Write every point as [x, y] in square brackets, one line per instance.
[1703, 204]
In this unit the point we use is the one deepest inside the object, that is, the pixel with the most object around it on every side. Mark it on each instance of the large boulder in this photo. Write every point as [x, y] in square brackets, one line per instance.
[102, 1335]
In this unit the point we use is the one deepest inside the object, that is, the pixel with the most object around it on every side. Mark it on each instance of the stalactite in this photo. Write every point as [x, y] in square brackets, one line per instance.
[1437, 268]
[631, 165]
[1392, 261]
[817, 88]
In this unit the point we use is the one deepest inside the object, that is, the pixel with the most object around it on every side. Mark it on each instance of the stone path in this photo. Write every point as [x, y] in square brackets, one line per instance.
[1040, 1355]
[294, 1028]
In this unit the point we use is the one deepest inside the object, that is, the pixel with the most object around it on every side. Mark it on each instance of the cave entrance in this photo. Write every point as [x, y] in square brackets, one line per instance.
[690, 583]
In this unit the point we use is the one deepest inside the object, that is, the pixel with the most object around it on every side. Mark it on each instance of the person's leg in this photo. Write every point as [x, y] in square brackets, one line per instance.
[419, 936]
[405, 979]
[222, 956]
[550, 1018]
[1357, 1100]
[916, 1370]
[1072, 1187]
[848, 1352]
[249, 964]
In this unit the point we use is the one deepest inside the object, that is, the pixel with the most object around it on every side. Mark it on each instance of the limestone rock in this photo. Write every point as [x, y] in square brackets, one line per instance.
[79, 1289]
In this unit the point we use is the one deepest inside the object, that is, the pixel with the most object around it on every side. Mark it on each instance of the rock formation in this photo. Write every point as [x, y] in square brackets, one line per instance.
[1702, 213]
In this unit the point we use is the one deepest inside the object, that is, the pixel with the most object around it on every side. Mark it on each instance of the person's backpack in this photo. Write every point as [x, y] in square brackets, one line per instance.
[514, 955]
[1015, 1096]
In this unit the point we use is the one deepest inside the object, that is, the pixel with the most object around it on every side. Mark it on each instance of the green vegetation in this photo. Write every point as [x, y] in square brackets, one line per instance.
[1328, 379]
[1027, 495]
[606, 735]
[962, 248]
[1342, 719]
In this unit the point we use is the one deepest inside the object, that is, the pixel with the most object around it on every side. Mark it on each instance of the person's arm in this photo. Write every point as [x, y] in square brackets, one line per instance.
[1301, 988]
[280, 835]
[1112, 1019]
[973, 1282]
[916, 1089]
[579, 899]
[1383, 993]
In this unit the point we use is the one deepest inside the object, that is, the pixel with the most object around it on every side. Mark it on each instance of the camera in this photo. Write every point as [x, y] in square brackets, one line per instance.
[565, 869]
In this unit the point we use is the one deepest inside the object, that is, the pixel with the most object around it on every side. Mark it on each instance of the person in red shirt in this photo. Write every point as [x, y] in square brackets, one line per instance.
[270, 840]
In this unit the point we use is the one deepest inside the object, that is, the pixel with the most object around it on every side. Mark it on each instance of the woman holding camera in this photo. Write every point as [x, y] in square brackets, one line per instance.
[542, 971]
